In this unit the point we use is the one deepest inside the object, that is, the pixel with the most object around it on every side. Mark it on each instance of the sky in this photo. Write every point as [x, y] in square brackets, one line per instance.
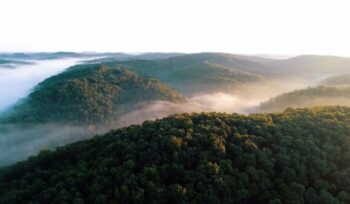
[276, 27]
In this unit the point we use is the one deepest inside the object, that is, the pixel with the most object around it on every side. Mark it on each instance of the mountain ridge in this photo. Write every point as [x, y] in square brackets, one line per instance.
[88, 94]
[296, 156]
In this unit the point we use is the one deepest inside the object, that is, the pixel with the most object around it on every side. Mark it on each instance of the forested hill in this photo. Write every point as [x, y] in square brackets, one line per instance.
[304, 66]
[202, 72]
[298, 156]
[86, 94]
[309, 66]
[338, 80]
[312, 96]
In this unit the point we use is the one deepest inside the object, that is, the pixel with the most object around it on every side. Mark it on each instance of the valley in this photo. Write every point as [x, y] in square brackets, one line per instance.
[152, 112]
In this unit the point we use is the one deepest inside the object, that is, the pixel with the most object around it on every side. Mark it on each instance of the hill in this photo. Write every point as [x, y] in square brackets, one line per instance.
[58, 55]
[248, 71]
[337, 80]
[315, 96]
[202, 72]
[100, 56]
[309, 66]
[199, 77]
[88, 94]
[11, 63]
[298, 156]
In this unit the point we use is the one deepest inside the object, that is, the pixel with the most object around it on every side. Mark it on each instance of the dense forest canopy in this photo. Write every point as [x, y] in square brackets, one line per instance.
[298, 156]
[312, 96]
[86, 94]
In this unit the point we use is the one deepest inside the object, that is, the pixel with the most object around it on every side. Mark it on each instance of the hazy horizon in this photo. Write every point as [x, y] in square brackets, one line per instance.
[262, 55]
[248, 27]
[186, 101]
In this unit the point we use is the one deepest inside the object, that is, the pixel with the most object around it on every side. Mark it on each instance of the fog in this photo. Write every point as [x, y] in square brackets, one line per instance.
[17, 82]
[19, 142]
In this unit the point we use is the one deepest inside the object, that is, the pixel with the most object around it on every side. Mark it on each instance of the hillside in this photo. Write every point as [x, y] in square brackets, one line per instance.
[200, 77]
[298, 156]
[246, 70]
[298, 67]
[202, 72]
[211, 77]
[310, 66]
[11, 63]
[313, 96]
[86, 94]
[224, 59]
[337, 80]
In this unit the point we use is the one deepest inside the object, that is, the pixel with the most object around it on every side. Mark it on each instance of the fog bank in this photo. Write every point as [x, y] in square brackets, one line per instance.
[17, 82]
[18, 142]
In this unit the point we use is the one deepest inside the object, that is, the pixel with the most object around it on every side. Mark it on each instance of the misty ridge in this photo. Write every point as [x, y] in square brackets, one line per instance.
[176, 102]
[17, 142]
[52, 99]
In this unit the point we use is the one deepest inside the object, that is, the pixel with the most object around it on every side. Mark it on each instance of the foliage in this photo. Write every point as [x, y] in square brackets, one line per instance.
[203, 72]
[312, 96]
[298, 156]
[88, 94]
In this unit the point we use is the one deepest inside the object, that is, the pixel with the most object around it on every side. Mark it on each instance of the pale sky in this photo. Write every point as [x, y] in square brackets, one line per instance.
[284, 27]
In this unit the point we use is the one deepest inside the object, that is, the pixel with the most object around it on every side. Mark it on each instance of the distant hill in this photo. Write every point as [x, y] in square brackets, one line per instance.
[306, 66]
[337, 80]
[156, 55]
[57, 55]
[302, 67]
[102, 56]
[241, 63]
[298, 156]
[88, 94]
[5, 63]
[204, 72]
[315, 96]
[144, 56]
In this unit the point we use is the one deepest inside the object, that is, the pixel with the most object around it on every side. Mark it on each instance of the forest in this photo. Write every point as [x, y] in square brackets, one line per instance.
[311, 96]
[185, 72]
[174, 102]
[297, 156]
[284, 144]
[86, 94]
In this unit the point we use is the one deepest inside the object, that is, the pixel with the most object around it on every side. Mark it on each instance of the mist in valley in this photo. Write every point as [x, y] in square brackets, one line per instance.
[17, 142]
[17, 82]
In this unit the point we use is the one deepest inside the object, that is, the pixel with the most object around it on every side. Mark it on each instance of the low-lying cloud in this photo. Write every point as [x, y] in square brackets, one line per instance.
[17, 82]
[19, 142]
